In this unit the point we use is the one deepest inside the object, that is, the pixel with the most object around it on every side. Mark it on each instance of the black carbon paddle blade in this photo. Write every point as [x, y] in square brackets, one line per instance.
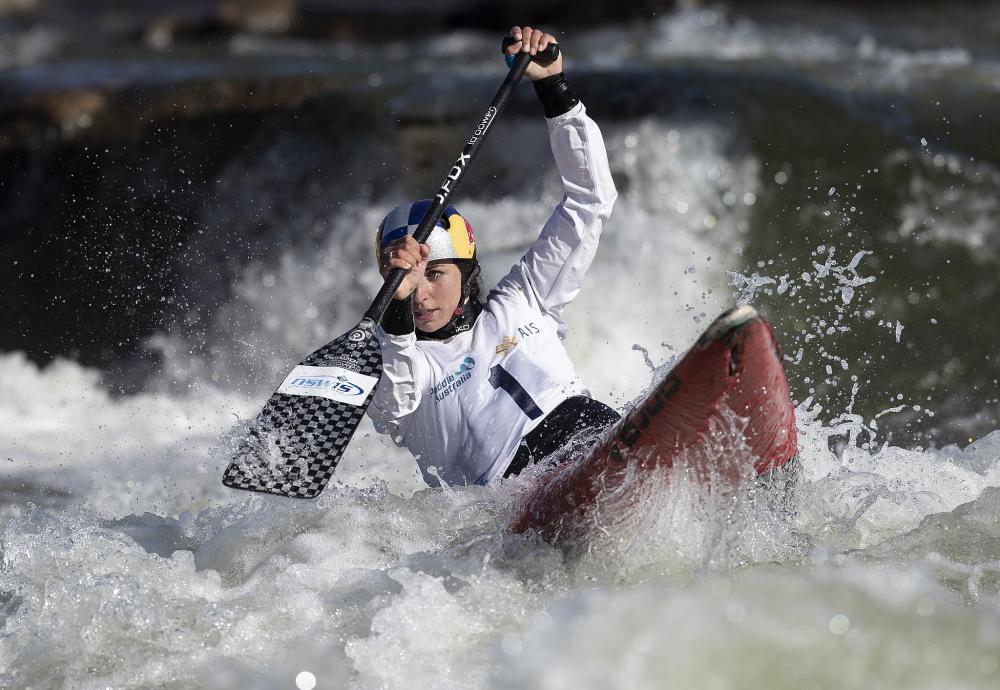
[294, 444]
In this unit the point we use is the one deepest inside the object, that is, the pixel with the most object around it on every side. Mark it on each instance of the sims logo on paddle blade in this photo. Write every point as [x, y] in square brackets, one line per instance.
[339, 383]
[332, 383]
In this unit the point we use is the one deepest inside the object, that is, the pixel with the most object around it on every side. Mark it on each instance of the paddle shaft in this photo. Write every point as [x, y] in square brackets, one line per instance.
[455, 174]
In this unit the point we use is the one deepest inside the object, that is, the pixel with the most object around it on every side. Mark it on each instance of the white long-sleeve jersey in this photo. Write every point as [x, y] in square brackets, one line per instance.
[462, 405]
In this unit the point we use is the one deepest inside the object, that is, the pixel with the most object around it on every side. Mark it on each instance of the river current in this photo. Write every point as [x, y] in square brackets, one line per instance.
[865, 230]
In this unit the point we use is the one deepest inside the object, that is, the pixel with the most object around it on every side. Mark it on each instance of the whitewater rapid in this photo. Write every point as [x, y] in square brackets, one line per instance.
[124, 562]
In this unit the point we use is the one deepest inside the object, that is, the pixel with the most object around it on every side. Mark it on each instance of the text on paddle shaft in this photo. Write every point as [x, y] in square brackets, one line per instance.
[484, 125]
[463, 158]
[453, 175]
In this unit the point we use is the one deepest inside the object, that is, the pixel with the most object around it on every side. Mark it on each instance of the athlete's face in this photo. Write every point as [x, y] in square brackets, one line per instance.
[436, 297]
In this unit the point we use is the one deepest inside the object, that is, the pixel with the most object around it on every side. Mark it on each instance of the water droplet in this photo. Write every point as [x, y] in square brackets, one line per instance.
[925, 607]
[840, 624]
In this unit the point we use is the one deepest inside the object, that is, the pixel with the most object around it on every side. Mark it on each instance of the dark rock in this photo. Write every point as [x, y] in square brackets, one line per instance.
[159, 22]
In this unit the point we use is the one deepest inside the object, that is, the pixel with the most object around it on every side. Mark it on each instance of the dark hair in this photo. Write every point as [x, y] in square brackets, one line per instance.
[476, 289]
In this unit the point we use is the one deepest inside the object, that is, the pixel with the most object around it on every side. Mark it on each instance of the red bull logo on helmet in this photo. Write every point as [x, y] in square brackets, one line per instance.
[451, 237]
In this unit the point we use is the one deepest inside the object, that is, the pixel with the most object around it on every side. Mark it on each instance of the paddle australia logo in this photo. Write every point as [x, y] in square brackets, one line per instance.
[333, 383]
[452, 382]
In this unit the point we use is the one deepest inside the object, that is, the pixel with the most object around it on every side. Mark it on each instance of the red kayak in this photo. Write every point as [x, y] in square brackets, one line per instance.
[724, 408]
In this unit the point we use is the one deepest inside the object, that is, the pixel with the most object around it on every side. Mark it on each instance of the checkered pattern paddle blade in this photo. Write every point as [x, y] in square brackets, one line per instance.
[295, 443]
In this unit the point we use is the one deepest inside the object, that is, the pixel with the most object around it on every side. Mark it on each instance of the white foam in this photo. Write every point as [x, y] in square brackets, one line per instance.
[61, 416]
[711, 32]
[764, 627]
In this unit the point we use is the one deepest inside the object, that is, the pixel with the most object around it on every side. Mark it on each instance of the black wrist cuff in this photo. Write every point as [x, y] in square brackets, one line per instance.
[555, 94]
[398, 318]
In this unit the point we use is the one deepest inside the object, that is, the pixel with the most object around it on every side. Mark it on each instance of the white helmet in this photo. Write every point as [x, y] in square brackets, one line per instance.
[450, 238]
